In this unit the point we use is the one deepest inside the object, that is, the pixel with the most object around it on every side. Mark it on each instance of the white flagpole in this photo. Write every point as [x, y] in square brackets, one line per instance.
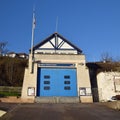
[56, 24]
[32, 41]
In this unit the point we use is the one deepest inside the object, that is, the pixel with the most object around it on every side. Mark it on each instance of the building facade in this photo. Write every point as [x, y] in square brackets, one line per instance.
[105, 80]
[108, 85]
[58, 72]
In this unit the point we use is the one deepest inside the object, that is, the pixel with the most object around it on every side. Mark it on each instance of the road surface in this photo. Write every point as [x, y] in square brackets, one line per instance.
[58, 112]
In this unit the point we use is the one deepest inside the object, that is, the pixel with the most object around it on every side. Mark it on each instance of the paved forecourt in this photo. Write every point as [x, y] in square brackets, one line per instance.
[61, 112]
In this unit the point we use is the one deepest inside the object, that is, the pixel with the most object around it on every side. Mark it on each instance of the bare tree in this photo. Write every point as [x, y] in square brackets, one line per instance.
[3, 49]
[105, 57]
[117, 59]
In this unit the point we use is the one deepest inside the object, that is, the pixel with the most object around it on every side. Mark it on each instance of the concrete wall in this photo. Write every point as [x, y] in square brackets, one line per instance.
[30, 80]
[114, 105]
[106, 85]
[58, 58]
[83, 80]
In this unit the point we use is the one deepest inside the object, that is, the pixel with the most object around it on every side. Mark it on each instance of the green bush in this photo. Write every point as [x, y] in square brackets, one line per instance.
[10, 91]
[6, 94]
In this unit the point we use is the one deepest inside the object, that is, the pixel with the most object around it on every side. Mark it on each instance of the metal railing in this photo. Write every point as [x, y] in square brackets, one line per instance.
[10, 91]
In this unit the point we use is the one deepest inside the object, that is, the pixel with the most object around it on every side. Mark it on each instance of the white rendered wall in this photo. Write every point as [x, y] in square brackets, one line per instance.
[106, 86]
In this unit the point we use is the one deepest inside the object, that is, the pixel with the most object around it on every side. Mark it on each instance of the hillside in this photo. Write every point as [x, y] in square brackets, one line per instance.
[12, 71]
[104, 67]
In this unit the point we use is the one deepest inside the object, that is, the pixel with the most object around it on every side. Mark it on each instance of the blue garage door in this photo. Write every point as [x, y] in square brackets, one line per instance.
[56, 82]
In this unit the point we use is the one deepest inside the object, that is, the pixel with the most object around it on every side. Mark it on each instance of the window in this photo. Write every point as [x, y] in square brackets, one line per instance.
[47, 88]
[67, 88]
[31, 91]
[85, 91]
[46, 77]
[66, 82]
[82, 91]
[117, 83]
[46, 82]
[66, 77]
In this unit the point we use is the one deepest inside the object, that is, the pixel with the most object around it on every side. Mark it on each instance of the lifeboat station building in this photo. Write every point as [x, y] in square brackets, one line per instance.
[57, 73]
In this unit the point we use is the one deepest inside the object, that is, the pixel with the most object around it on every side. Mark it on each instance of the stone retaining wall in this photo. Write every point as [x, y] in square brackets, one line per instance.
[113, 105]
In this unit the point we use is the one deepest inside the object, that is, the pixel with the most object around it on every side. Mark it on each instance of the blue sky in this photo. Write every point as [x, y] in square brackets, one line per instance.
[92, 25]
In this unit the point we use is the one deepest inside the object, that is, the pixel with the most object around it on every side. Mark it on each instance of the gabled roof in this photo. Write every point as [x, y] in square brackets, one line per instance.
[56, 42]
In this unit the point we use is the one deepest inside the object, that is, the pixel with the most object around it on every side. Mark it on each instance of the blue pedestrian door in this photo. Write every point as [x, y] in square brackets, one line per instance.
[56, 82]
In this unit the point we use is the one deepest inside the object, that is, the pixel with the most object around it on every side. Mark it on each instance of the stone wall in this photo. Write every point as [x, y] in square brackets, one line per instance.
[106, 85]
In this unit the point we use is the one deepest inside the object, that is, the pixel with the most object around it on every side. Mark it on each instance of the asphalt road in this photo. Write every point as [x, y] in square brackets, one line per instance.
[58, 112]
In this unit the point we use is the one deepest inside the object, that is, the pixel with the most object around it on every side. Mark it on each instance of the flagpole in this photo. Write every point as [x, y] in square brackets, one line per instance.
[32, 41]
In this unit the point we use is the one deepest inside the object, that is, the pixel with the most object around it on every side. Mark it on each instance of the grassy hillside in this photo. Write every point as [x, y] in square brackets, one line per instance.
[12, 71]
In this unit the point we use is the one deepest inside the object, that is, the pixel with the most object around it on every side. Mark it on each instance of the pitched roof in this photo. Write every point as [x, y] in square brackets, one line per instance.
[58, 45]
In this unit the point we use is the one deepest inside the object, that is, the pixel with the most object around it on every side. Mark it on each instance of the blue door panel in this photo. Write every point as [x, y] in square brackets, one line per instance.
[56, 82]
